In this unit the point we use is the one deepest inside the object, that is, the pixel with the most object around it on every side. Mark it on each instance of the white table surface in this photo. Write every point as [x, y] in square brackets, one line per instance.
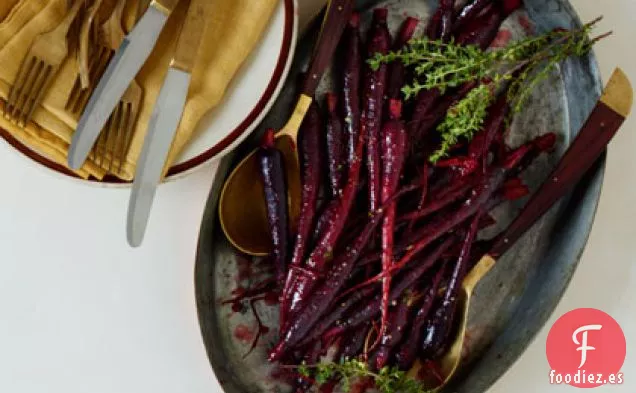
[82, 312]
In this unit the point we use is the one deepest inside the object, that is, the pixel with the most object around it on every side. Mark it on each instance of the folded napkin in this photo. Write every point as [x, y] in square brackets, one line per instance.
[233, 31]
[6, 7]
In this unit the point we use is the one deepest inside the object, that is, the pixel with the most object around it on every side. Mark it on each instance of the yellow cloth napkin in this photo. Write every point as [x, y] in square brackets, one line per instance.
[233, 31]
[6, 7]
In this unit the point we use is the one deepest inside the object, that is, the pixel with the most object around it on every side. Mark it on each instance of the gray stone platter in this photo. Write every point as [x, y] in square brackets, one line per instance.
[512, 303]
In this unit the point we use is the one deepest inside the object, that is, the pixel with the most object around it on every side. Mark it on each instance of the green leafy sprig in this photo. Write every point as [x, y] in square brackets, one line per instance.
[522, 65]
[387, 380]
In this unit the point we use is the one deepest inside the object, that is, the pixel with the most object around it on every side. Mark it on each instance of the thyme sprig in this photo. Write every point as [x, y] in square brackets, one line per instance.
[387, 380]
[522, 65]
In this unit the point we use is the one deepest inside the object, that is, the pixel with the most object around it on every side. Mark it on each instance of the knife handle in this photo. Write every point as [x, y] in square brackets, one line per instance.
[165, 6]
[189, 41]
[335, 20]
[600, 127]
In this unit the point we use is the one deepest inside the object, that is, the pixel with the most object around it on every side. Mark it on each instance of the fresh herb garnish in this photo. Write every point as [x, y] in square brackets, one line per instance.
[387, 380]
[523, 64]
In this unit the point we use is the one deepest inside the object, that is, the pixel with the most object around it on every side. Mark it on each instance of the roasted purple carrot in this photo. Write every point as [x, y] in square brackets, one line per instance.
[510, 6]
[272, 171]
[355, 341]
[437, 329]
[337, 313]
[395, 330]
[469, 11]
[406, 242]
[433, 114]
[423, 197]
[371, 307]
[424, 103]
[311, 163]
[312, 356]
[447, 8]
[393, 152]
[336, 148]
[426, 99]
[432, 31]
[442, 225]
[540, 145]
[321, 299]
[482, 30]
[482, 141]
[440, 199]
[374, 85]
[324, 218]
[351, 83]
[397, 70]
[337, 212]
[407, 351]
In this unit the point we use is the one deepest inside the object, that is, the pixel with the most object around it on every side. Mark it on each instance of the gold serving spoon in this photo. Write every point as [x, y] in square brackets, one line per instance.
[602, 124]
[242, 209]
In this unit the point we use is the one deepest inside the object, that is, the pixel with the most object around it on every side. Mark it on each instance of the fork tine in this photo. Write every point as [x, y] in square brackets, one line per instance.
[121, 133]
[71, 103]
[105, 148]
[114, 135]
[84, 95]
[103, 56]
[101, 142]
[26, 90]
[126, 136]
[33, 93]
[91, 155]
[130, 128]
[23, 75]
[40, 91]
[75, 98]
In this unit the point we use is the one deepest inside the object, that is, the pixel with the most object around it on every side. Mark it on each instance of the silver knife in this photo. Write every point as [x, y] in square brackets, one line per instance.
[130, 57]
[164, 123]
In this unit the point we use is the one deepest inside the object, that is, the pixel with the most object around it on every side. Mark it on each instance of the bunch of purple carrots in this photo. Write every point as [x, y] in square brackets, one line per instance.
[385, 236]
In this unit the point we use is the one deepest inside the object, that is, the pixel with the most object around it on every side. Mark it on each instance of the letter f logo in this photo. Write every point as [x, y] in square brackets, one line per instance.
[583, 344]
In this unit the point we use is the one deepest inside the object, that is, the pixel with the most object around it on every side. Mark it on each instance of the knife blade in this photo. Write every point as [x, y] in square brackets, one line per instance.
[125, 65]
[164, 123]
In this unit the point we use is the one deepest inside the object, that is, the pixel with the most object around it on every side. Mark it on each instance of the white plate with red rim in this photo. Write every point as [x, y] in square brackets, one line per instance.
[249, 97]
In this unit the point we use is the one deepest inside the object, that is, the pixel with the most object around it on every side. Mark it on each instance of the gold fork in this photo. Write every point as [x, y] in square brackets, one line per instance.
[114, 141]
[90, 66]
[38, 70]
[88, 31]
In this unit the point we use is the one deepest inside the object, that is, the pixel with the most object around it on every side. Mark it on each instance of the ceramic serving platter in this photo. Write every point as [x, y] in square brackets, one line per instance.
[510, 305]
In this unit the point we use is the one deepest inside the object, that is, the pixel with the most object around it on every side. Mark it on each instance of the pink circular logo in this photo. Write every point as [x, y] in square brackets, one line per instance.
[586, 349]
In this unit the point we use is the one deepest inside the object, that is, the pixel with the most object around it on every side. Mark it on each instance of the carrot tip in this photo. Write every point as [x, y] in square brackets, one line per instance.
[510, 6]
[408, 29]
[268, 138]
[395, 108]
[380, 14]
[546, 142]
[354, 21]
[332, 102]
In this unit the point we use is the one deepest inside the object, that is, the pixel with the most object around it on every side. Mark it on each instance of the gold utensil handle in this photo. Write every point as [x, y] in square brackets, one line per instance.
[589, 144]
[165, 6]
[190, 36]
[65, 26]
[142, 6]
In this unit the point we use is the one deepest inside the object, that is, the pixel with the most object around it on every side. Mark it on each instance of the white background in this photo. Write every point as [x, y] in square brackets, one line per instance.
[82, 312]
